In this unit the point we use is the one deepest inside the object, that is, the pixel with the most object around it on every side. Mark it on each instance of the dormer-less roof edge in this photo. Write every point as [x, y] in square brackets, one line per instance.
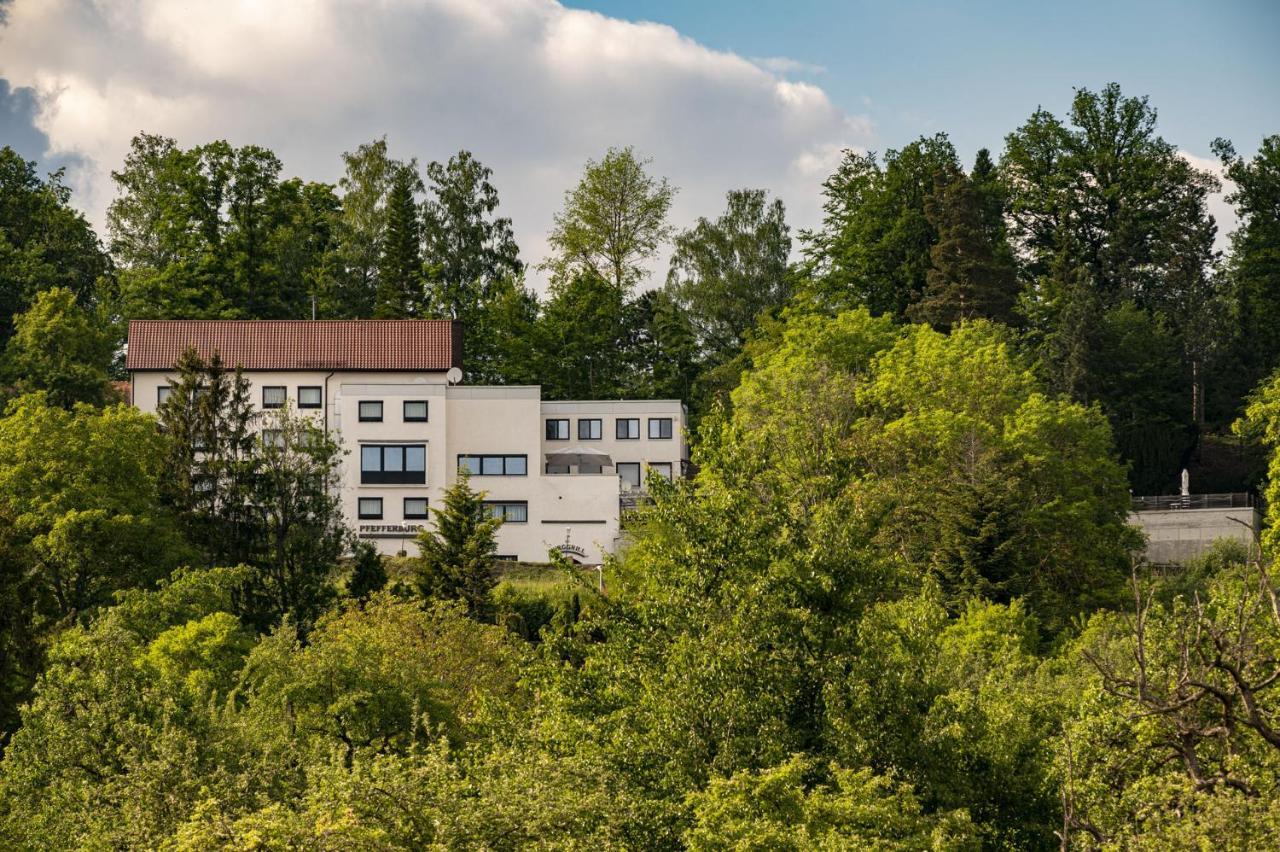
[346, 345]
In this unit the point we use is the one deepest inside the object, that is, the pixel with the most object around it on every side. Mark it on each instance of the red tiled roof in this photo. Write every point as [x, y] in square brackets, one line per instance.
[426, 345]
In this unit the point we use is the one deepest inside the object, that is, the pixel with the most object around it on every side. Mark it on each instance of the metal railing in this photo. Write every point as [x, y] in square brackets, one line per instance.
[1164, 503]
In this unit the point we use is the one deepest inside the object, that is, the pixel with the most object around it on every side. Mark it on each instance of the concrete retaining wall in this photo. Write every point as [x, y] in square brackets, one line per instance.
[1177, 536]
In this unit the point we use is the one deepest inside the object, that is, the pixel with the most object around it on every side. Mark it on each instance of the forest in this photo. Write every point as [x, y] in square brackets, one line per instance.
[898, 605]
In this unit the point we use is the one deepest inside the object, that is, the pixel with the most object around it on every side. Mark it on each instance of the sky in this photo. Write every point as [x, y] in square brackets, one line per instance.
[719, 95]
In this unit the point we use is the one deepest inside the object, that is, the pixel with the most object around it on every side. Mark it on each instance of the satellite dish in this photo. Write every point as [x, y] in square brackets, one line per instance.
[453, 376]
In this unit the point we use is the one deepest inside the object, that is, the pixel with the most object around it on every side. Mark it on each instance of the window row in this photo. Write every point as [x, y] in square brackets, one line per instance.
[394, 464]
[625, 428]
[370, 508]
[414, 411]
[273, 396]
[415, 508]
[494, 465]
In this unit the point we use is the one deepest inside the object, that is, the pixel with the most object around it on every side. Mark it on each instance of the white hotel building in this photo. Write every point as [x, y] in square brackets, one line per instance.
[391, 392]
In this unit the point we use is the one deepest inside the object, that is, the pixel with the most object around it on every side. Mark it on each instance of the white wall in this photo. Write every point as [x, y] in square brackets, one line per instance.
[477, 420]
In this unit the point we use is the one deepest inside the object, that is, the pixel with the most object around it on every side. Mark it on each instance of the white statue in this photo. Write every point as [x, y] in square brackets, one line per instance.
[1186, 483]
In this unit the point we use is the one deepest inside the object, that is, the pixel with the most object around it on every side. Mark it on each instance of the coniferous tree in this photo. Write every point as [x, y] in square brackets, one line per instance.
[456, 561]
[209, 419]
[399, 288]
[969, 276]
[368, 573]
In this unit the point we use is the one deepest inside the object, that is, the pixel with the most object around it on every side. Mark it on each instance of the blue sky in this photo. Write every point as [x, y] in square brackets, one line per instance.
[977, 70]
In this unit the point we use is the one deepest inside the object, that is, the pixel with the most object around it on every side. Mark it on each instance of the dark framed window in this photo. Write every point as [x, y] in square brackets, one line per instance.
[415, 411]
[505, 557]
[273, 438]
[494, 465]
[628, 429]
[162, 394]
[396, 464]
[556, 469]
[370, 508]
[310, 396]
[273, 396]
[589, 430]
[508, 511]
[629, 472]
[415, 508]
[370, 411]
[662, 469]
[557, 430]
[659, 427]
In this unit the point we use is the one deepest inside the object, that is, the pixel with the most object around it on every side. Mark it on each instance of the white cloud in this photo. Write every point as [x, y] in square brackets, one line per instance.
[532, 88]
[787, 65]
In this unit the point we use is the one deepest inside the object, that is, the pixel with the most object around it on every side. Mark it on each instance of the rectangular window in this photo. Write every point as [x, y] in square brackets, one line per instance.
[557, 430]
[370, 508]
[494, 465]
[589, 430]
[508, 511]
[273, 396]
[629, 472]
[162, 394]
[659, 427]
[370, 411]
[628, 429]
[557, 469]
[415, 508]
[310, 396]
[662, 469]
[415, 411]
[273, 438]
[396, 464]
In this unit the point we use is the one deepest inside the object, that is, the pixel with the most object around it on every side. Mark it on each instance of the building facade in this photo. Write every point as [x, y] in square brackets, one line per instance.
[391, 392]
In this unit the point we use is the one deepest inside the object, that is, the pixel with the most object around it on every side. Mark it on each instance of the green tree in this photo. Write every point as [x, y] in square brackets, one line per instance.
[368, 573]
[82, 489]
[63, 350]
[874, 245]
[350, 277]
[970, 275]
[468, 249]
[456, 561]
[783, 808]
[725, 273]
[1253, 266]
[1114, 208]
[1110, 191]
[213, 232]
[581, 338]
[296, 486]
[44, 242]
[211, 459]
[612, 223]
[399, 288]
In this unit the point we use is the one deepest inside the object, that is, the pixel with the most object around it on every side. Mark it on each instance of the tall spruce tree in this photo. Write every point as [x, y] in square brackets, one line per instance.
[969, 275]
[399, 290]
